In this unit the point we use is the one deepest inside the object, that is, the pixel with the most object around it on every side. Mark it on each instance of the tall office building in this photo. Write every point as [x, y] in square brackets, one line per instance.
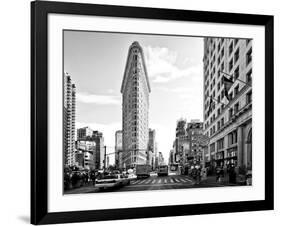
[118, 149]
[83, 133]
[160, 159]
[94, 137]
[228, 102]
[100, 158]
[135, 105]
[69, 109]
[181, 143]
[194, 130]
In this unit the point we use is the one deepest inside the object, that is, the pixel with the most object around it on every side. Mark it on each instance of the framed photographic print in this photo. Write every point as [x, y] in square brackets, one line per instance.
[144, 112]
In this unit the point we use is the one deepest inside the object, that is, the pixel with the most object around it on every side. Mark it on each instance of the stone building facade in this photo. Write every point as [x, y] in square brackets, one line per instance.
[228, 118]
[135, 107]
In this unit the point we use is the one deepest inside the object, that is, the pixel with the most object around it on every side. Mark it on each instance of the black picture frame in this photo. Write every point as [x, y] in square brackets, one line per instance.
[39, 112]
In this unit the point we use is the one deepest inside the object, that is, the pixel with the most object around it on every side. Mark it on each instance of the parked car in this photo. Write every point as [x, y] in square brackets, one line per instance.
[111, 181]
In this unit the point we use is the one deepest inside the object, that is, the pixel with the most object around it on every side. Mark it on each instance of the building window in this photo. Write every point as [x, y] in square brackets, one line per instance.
[236, 108]
[230, 65]
[222, 122]
[222, 53]
[218, 124]
[249, 97]
[249, 56]
[236, 73]
[212, 147]
[236, 90]
[230, 96]
[232, 138]
[230, 113]
[220, 144]
[236, 55]
[249, 76]
[230, 48]
[222, 66]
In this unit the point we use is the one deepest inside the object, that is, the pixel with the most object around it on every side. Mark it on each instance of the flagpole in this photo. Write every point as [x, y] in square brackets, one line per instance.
[246, 83]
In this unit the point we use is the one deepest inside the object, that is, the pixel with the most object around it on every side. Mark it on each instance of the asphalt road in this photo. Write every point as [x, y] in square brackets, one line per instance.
[153, 182]
[157, 183]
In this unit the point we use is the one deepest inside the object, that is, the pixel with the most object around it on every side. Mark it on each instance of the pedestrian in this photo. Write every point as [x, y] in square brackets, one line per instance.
[86, 178]
[93, 177]
[198, 174]
[218, 174]
[232, 175]
[74, 179]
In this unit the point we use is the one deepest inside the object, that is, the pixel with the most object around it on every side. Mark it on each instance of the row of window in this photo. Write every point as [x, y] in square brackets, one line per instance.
[231, 112]
[231, 62]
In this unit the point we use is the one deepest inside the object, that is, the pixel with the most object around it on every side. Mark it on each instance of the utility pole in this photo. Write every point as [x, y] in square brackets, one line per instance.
[104, 161]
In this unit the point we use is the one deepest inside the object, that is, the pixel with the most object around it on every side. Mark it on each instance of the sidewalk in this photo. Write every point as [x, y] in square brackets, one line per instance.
[211, 180]
[84, 189]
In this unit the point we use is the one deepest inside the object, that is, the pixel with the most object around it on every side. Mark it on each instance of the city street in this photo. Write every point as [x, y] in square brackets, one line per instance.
[155, 183]
[150, 183]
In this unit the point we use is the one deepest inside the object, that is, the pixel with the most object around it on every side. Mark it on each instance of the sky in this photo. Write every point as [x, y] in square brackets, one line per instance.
[96, 63]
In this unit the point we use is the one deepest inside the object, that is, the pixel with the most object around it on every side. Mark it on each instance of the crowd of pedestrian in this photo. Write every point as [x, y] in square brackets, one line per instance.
[75, 179]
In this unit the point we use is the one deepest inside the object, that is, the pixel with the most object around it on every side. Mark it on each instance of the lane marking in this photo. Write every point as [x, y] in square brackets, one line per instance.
[183, 180]
[176, 180]
[159, 182]
[153, 182]
[165, 181]
[148, 181]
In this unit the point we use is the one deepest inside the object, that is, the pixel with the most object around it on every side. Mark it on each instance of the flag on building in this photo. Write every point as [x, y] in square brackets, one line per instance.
[227, 85]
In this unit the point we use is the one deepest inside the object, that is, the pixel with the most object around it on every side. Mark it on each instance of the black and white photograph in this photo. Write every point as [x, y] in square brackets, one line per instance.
[153, 111]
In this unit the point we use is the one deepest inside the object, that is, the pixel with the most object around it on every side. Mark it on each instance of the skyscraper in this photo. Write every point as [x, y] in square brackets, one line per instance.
[228, 102]
[135, 105]
[194, 130]
[69, 109]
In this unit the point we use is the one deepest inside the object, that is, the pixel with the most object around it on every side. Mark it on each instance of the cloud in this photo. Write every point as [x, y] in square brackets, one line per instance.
[163, 65]
[98, 99]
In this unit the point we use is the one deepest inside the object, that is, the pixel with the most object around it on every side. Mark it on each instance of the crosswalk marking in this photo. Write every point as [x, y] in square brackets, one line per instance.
[160, 181]
[142, 182]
